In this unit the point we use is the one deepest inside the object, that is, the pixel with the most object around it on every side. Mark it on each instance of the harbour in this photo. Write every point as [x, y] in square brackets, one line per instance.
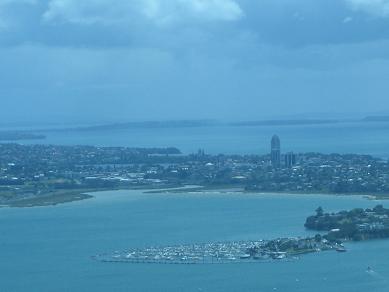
[125, 221]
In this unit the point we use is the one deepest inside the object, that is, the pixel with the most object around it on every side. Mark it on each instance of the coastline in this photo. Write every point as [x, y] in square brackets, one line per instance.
[52, 200]
[68, 196]
[241, 190]
[64, 196]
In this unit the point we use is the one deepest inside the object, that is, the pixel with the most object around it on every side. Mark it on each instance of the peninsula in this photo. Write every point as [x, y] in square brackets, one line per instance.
[355, 225]
[48, 174]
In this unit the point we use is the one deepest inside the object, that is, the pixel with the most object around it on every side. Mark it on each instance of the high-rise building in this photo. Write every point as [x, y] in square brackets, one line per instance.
[275, 152]
[290, 159]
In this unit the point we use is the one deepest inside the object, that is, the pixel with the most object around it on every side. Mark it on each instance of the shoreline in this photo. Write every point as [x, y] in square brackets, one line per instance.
[63, 197]
[241, 190]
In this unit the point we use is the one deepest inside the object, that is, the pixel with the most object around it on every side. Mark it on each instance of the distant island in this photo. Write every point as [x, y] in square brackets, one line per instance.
[170, 124]
[140, 125]
[191, 124]
[376, 119]
[300, 122]
[19, 135]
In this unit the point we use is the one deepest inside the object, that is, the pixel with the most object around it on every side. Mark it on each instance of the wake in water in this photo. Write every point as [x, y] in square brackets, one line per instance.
[376, 275]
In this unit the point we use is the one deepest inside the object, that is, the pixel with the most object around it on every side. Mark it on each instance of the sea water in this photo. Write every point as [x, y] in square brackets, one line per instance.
[50, 248]
[363, 138]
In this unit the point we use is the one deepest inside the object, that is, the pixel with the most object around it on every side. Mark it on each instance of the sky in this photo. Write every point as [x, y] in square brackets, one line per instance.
[130, 60]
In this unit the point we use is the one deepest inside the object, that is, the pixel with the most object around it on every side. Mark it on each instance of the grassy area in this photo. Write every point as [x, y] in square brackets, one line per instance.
[50, 200]
[45, 198]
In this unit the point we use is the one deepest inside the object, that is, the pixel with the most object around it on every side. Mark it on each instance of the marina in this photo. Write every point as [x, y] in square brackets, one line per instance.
[357, 224]
[221, 252]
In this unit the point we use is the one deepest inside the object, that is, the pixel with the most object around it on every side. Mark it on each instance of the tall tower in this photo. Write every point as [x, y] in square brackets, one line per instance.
[290, 159]
[275, 152]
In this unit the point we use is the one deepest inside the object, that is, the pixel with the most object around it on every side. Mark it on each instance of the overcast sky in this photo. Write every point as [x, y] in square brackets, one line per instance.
[117, 60]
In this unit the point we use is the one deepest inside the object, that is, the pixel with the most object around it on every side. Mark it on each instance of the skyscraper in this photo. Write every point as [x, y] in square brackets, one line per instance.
[290, 159]
[275, 152]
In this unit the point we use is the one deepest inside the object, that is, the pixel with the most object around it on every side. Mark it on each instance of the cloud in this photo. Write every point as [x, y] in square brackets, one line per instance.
[6, 2]
[187, 57]
[160, 12]
[227, 10]
[5, 20]
[87, 11]
[347, 19]
[374, 7]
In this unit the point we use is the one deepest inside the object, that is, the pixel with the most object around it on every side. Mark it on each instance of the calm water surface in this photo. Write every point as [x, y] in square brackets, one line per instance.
[364, 138]
[49, 248]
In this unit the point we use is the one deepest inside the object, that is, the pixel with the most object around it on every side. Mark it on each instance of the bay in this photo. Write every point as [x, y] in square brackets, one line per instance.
[49, 248]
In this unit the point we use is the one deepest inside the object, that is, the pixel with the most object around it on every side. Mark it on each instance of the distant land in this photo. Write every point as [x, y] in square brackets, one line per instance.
[16, 135]
[142, 125]
[31, 134]
[376, 119]
[213, 123]
[191, 124]
[285, 122]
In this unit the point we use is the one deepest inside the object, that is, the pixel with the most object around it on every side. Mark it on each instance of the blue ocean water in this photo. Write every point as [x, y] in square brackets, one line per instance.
[365, 138]
[49, 248]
